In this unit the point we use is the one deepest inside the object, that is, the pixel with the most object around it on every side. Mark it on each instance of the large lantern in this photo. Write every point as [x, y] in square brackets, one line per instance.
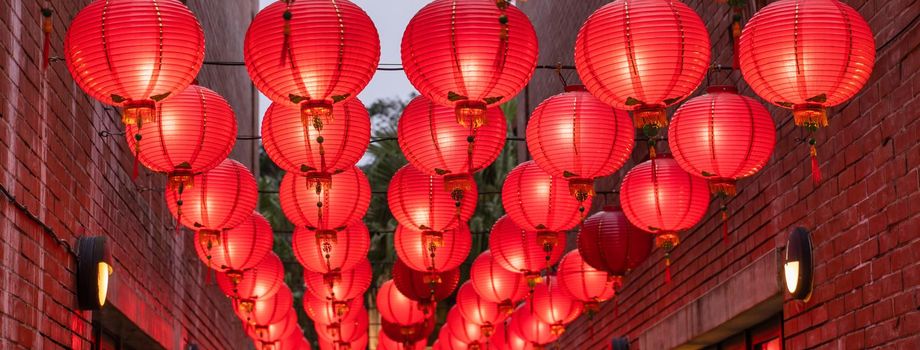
[577, 137]
[266, 311]
[643, 56]
[194, 132]
[238, 248]
[807, 73]
[349, 248]
[133, 54]
[316, 152]
[294, 341]
[523, 251]
[327, 312]
[477, 310]
[311, 53]
[609, 242]
[275, 331]
[555, 306]
[385, 343]
[424, 287]
[497, 284]
[505, 338]
[416, 332]
[220, 199]
[420, 202]
[449, 248]
[359, 344]
[257, 283]
[344, 331]
[661, 198]
[464, 330]
[469, 55]
[584, 283]
[397, 308]
[339, 286]
[325, 209]
[537, 201]
[526, 324]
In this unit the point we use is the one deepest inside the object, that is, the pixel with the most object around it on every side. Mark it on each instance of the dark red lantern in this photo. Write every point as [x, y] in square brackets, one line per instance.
[643, 56]
[609, 242]
[311, 53]
[385, 343]
[313, 150]
[554, 306]
[266, 311]
[325, 208]
[424, 287]
[327, 312]
[345, 331]
[463, 329]
[527, 252]
[423, 203]
[477, 310]
[497, 284]
[538, 201]
[275, 331]
[133, 54]
[238, 248]
[525, 323]
[577, 137]
[259, 282]
[459, 55]
[584, 283]
[410, 334]
[339, 286]
[450, 247]
[397, 308]
[349, 248]
[220, 199]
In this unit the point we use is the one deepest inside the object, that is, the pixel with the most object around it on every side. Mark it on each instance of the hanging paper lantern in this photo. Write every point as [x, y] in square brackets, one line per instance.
[327, 312]
[524, 251]
[643, 56]
[537, 201]
[577, 137]
[359, 344]
[345, 331]
[525, 323]
[555, 306]
[410, 334]
[477, 310]
[397, 308]
[294, 341]
[424, 287]
[220, 199]
[661, 198]
[385, 343]
[194, 132]
[275, 331]
[463, 330]
[311, 53]
[420, 201]
[435, 144]
[497, 284]
[469, 55]
[447, 341]
[133, 54]
[238, 248]
[610, 243]
[506, 339]
[339, 286]
[349, 248]
[451, 247]
[316, 152]
[259, 282]
[266, 311]
[584, 283]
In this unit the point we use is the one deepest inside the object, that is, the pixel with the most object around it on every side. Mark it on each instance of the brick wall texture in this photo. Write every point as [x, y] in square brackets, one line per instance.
[75, 182]
[865, 215]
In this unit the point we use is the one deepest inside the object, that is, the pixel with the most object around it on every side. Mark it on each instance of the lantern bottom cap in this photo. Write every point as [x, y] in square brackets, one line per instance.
[810, 115]
[471, 113]
[138, 112]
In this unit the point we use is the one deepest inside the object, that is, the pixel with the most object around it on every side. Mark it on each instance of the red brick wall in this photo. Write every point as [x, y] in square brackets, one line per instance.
[865, 216]
[75, 182]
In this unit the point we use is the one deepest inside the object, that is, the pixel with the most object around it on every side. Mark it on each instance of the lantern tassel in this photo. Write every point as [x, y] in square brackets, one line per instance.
[286, 44]
[667, 268]
[137, 152]
[46, 44]
[724, 209]
[815, 168]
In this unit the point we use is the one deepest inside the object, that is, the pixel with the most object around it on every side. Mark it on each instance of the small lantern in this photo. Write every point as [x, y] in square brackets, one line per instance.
[799, 264]
[94, 266]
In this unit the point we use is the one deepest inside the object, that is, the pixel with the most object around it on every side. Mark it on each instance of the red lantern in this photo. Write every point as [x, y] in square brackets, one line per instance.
[311, 53]
[424, 287]
[349, 248]
[397, 308]
[609, 242]
[325, 209]
[194, 132]
[345, 331]
[451, 247]
[584, 283]
[294, 341]
[410, 334]
[526, 324]
[555, 306]
[464, 330]
[537, 201]
[477, 310]
[577, 137]
[317, 152]
[807, 73]
[339, 286]
[133, 54]
[506, 339]
[259, 282]
[458, 54]
[447, 341]
[275, 331]
[643, 56]
[435, 144]
[497, 284]
[266, 311]
[327, 312]
[238, 248]
[660, 197]
[359, 344]
[221, 199]
[523, 251]
[385, 343]
[421, 202]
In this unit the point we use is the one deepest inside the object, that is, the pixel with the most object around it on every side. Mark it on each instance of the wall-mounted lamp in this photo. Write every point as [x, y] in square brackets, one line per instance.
[799, 265]
[94, 265]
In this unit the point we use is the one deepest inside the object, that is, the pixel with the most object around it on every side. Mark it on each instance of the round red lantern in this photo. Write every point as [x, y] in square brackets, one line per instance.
[584, 283]
[420, 202]
[359, 344]
[345, 331]
[416, 332]
[643, 56]
[523, 251]
[266, 311]
[447, 341]
[435, 144]
[133, 54]
[424, 287]
[294, 341]
[220, 199]
[397, 308]
[316, 152]
[385, 343]
[469, 55]
[275, 331]
[555, 306]
[497, 284]
[477, 310]
[526, 324]
[194, 132]
[327, 312]
[577, 137]
[609, 242]
[236, 249]
[311, 53]
[464, 330]
[450, 247]
[349, 248]
[259, 282]
[325, 209]
[507, 339]
[339, 286]
[538, 201]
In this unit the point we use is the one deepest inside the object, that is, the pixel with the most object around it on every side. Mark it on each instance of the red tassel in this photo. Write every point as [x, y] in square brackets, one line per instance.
[286, 44]
[815, 168]
[724, 225]
[46, 44]
[136, 170]
[667, 268]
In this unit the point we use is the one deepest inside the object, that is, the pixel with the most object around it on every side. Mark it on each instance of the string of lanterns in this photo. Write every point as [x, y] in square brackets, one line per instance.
[313, 57]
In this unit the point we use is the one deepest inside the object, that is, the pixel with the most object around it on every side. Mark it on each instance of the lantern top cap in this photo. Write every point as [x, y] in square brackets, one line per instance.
[573, 88]
[721, 88]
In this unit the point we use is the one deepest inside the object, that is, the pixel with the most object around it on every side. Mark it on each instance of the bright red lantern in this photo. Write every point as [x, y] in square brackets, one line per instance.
[538, 201]
[327, 312]
[339, 286]
[259, 282]
[526, 324]
[325, 209]
[275, 331]
[523, 251]
[464, 330]
[311, 53]
[609, 242]
[506, 339]
[555, 306]
[133, 54]
[577, 137]
[497, 284]
[294, 341]
[722, 136]
[451, 247]
[316, 152]
[424, 287]
[194, 132]
[477, 310]
[460, 55]
[385, 343]
[345, 331]
[423, 203]
[447, 341]
[266, 311]
[434, 143]
[584, 283]
[397, 308]
[410, 334]
[236, 249]
[359, 344]
[643, 56]
[220, 199]
[349, 248]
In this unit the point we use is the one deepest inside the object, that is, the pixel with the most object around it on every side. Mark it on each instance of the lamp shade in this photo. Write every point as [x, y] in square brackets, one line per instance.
[238, 248]
[220, 199]
[395, 307]
[423, 203]
[335, 207]
[527, 252]
[584, 283]
[348, 249]
[424, 287]
[266, 311]
[339, 286]
[450, 247]
[538, 201]
[495, 283]
[609, 242]
[259, 282]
